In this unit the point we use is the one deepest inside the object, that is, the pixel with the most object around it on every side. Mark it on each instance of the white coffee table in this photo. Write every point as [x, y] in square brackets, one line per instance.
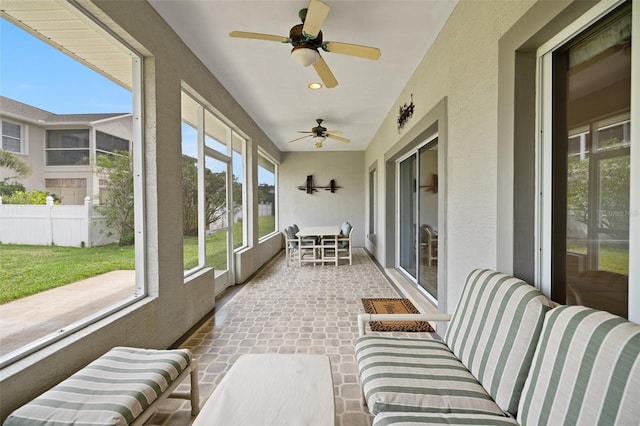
[272, 389]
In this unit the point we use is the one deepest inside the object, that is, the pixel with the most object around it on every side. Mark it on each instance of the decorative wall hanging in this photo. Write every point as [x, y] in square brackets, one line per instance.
[434, 184]
[309, 187]
[405, 113]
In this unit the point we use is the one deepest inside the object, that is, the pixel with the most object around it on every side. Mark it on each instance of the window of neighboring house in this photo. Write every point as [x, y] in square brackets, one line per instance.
[109, 144]
[83, 256]
[266, 195]
[67, 147]
[12, 137]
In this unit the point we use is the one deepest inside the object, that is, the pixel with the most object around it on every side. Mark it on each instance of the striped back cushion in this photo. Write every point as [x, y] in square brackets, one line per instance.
[586, 370]
[494, 331]
[112, 390]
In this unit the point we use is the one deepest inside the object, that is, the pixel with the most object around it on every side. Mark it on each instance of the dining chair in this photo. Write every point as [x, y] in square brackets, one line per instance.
[429, 244]
[292, 244]
[345, 243]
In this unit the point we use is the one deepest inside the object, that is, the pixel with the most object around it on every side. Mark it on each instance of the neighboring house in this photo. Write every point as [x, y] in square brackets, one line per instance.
[61, 148]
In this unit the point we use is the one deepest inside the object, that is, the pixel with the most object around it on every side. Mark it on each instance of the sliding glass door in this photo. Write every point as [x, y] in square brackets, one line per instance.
[418, 217]
[591, 165]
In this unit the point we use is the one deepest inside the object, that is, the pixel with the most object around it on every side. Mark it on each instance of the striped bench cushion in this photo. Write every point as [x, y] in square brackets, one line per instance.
[412, 419]
[494, 331]
[399, 374]
[586, 370]
[112, 390]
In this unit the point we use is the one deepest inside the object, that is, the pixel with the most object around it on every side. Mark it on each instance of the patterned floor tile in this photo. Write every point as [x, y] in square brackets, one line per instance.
[310, 309]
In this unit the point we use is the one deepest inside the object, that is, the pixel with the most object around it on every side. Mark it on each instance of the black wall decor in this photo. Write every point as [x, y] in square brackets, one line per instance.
[310, 187]
[405, 113]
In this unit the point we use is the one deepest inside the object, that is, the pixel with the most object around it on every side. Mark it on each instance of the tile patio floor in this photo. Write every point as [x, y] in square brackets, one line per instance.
[303, 310]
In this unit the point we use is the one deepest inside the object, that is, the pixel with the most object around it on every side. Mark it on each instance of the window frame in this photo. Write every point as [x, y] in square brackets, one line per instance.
[21, 140]
[49, 149]
[428, 142]
[373, 200]
[267, 157]
[209, 146]
[100, 151]
[141, 287]
[544, 132]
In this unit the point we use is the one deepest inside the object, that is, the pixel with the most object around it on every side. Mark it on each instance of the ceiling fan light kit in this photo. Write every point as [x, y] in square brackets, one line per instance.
[305, 56]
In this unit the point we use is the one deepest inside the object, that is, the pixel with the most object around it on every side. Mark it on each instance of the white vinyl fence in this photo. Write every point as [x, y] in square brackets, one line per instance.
[60, 225]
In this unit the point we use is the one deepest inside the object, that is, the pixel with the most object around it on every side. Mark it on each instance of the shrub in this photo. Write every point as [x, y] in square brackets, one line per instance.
[32, 197]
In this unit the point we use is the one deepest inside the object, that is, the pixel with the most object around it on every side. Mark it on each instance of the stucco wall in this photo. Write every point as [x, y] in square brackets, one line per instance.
[323, 207]
[461, 67]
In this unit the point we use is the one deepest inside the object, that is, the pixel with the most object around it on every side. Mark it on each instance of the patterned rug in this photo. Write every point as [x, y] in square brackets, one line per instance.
[394, 306]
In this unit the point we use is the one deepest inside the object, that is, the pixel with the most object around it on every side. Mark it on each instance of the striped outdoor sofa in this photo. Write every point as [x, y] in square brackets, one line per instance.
[122, 387]
[534, 365]
[481, 365]
[585, 371]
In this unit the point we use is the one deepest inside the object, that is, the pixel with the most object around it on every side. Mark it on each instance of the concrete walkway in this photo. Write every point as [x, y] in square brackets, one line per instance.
[31, 318]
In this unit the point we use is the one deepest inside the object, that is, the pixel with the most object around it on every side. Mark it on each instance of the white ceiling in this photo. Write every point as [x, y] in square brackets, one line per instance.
[272, 88]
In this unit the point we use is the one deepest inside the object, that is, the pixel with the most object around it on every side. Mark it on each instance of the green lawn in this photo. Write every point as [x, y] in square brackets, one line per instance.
[611, 259]
[28, 270]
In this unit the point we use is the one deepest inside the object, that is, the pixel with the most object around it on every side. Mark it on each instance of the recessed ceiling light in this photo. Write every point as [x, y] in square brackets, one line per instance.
[314, 86]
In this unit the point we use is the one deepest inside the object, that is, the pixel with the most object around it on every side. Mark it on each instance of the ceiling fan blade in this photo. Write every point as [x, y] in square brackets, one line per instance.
[325, 73]
[258, 36]
[338, 138]
[333, 132]
[308, 136]
[316, 14]
[353, 50]
[301, 131]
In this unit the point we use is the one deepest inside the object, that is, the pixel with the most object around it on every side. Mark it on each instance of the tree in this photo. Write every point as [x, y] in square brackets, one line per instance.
[21, 169]
[189, 196]
[215, 193]
[8, 189]
[10, 161]
[117, 201]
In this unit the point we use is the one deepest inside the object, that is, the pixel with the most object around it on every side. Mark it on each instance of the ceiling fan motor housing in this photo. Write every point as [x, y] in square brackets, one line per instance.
[319, 130]
[300, 39]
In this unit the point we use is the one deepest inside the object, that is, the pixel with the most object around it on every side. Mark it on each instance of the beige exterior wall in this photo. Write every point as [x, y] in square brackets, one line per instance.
[72, 193]
[323, 208]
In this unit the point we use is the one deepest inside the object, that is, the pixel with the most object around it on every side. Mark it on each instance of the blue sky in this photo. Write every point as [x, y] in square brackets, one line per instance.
[35, 73]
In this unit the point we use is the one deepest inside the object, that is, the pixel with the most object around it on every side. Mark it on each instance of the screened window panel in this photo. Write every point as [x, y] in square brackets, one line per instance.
[68, 157]
[78, 138]
[111, 143]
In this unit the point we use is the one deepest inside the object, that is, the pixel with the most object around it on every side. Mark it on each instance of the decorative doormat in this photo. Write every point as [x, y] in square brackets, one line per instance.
[394, 306]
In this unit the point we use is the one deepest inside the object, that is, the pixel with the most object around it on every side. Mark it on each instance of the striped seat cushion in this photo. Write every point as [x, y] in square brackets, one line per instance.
[586, 370]
[113, 390]
[420, 375]
[494, 331]
[412, 419]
